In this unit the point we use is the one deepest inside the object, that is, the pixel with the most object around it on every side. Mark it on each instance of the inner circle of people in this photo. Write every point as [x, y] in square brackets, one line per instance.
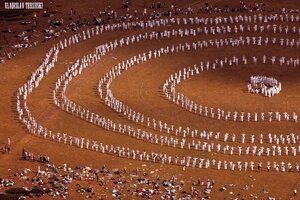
[188, 135]
[267, 86]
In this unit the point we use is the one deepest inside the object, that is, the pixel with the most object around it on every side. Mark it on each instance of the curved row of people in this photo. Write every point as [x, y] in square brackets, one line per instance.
[169, 88]
[50, 33]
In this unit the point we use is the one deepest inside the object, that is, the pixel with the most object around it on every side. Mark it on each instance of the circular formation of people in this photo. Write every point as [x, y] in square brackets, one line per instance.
[163, 133]
[265, 85]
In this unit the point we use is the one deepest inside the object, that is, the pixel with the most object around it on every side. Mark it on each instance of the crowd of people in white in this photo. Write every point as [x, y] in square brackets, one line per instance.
[267, 86]
[182, 137]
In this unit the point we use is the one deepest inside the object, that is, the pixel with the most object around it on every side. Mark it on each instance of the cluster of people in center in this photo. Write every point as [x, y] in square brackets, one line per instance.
[267, 86]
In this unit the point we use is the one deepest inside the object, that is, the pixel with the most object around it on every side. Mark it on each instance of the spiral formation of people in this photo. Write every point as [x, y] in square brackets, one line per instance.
[150, 99]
